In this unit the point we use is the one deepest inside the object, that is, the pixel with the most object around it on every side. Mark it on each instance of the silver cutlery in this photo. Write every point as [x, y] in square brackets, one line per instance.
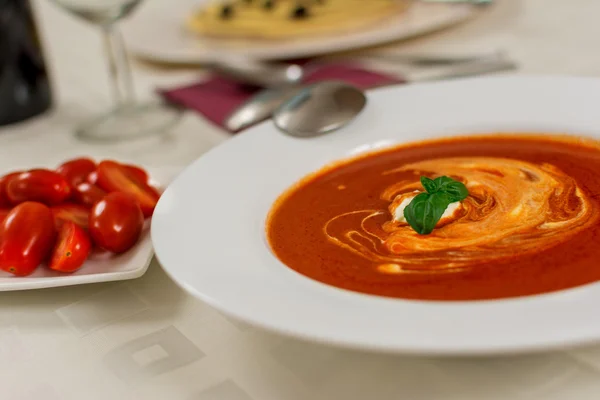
[262, 105]
[461, 70]
[257, 73]
[432, 60]
[259, 107]
[319, 108]
[263, 74]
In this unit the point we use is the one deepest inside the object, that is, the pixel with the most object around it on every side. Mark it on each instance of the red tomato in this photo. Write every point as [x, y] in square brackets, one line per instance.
[114, 177]
[77, 170]
[3, 213]
[72, 248]
[140, 173]
[70, 212]
[116, 222]
[40, 185]
[4, 202]
[27, 237]
[88, 194]
[143, 176]
[92, 178]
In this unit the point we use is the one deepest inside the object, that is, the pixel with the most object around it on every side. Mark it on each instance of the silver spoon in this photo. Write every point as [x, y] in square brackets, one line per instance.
[262, 105]
[259, 107]
[320, 108]
[257, 73]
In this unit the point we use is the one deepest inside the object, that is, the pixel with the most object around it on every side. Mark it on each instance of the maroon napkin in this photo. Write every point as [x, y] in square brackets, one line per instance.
[217, 97]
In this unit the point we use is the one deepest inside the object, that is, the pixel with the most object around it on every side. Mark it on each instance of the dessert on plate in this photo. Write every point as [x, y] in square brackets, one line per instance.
[290, 19]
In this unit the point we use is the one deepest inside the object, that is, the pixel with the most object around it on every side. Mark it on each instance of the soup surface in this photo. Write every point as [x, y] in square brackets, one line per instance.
[530, 224]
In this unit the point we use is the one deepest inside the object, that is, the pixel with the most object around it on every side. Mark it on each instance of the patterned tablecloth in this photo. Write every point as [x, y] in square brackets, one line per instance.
[147, 339]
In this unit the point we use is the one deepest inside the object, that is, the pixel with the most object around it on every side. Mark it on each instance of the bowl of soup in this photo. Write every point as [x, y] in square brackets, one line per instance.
[449, 218]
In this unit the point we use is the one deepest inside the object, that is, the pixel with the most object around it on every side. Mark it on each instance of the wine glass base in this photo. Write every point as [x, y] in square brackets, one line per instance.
[129, 123]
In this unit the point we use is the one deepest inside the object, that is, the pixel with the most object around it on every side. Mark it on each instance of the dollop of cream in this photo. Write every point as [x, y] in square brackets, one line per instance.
[514, 207]
[403, 200]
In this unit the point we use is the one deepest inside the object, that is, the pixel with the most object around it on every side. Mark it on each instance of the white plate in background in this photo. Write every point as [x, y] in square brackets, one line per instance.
[157, 33]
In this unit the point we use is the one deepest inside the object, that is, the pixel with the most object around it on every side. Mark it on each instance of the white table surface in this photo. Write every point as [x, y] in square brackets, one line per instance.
[147, 339]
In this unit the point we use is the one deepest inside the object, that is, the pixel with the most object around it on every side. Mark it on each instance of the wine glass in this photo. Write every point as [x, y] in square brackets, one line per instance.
[127, 119]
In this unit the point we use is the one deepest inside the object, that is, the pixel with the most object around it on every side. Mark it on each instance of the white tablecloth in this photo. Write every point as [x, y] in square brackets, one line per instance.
[147, 339]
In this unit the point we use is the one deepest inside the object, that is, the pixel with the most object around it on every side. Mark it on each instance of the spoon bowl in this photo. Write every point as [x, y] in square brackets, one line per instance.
[319, 109]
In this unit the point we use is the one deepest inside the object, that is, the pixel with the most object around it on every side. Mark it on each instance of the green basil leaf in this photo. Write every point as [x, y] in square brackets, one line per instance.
[443, 181]
[425, 211]
[414, 211]
[456, 191]
[430, 185]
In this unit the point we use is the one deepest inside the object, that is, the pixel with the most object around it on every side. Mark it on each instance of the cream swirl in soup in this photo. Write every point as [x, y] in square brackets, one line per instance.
[530, 223]
[514, 207]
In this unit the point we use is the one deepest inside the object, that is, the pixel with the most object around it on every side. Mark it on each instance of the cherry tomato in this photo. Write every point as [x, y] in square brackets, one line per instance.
[72, 248]
[116, 222]
[4, 201]
[40, 185]
[114, 177]
[27, 237]
[140, 173]
[87, 194]
[77, 170]
[3, 213]
[92, 178]
[70, 212]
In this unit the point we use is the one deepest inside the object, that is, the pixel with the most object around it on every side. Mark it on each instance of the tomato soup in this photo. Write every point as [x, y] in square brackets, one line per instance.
[529, 225]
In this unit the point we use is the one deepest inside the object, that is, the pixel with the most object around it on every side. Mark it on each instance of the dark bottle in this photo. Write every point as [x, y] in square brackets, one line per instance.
[24, 84]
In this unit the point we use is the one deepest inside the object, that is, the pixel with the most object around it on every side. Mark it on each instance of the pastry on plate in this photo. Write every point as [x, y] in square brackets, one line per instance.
[290, 19]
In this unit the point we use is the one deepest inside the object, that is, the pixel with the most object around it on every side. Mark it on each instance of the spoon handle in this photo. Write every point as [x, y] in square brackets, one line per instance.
[259, 107]
[257, 73]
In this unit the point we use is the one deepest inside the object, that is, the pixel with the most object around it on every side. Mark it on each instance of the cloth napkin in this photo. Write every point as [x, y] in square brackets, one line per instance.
[217, 97]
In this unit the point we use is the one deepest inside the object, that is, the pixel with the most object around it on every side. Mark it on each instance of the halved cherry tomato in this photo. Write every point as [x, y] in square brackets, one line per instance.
[116, 222]
[87, 194]
[143, 175]
[27, 237]
[92, 178]
[114, 177]
[40, 185]
[138, 172]
[70, 212]
[72, 248]
[4, 201]
[77, 170]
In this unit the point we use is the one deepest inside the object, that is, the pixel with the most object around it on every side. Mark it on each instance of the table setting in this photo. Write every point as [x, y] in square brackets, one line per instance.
[212, 154]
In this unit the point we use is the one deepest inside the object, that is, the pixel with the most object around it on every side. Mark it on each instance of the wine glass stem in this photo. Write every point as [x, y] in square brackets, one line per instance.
[118, 65]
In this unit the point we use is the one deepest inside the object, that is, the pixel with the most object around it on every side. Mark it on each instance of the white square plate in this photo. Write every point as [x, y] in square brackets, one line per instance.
[100, 267]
